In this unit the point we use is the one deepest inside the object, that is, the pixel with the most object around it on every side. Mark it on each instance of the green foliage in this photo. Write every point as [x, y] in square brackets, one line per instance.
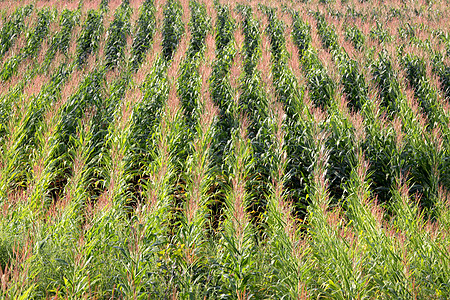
[145, 122]
[173, 28]
[407, 31]
[326, 32]
[415, 70]
[6, 104]
[61, 40]
[198, 26]
[301, 33]
[355, 35]
[189, 80]
[35, 39]
[33, 44]
[134, 185]
[440, 69]
[57, 163]
[223, 96]
[24, 137]
[289, 93]
[238, 238]
[276, 33]
[354, 85]
[13, 27]
[89, 39]
[253, 102]
[88, 96]
[104, 6]
[117, 36]
[321, 87]
[386, 156]
[10, 67]
[145, 29]
[224, 27]
[385, 77]
[189, 85]
[252, 39]
[380, 34]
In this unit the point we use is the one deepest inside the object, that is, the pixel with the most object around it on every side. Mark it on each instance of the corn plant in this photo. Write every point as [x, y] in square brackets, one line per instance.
[56, 261]
[55, 168]
[189, 80]
[61, 40]
[353, 81]
[380, 34]
[24, 138]
[118, 197]
[104, 6]
[410, 222]
[161, 191]
[88, 41]
[222, 94]
[367, 218]
[290, 94]
[7, 104]
[326, 32]
[254, 101]
[331, 238]
[34, 40]
[321, 86]
[145, 29]
[383, 149]
[102, 119]
[33, 44]
[238, 237]
[427, 95]
[173, 28]
[428, 174]
[385, 78]
[234, 162]
[300, 33]
[340, 140]
[145, 122]
[116, 36]
[198, 26]
[443, 71]
[195, 213]
[355, 36]
[13, 27]
[288, 254]
[407, 31]
[252, 39]
[224, 27]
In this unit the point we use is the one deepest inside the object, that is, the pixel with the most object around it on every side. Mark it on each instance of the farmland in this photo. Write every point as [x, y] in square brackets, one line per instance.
[196, 149]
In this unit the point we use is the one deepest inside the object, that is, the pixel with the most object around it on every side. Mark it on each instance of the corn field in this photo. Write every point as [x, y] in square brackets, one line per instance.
[199, 149]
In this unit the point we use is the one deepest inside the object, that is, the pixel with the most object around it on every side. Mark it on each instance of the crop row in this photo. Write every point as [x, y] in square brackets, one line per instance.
[271, 154]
